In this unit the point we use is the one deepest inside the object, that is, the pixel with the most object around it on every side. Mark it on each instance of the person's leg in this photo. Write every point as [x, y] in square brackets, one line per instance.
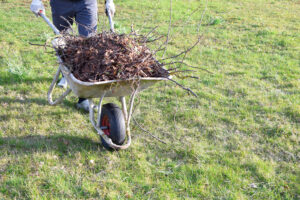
[86, 19]
[81, 100]
[62, 14]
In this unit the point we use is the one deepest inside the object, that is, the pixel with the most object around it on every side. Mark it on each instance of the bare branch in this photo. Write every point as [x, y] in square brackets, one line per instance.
[70, 25]
[169, 29]
[198, 28]
[151, 31]
[149, 41]
[183, 77]
[180, 71]
[193, 12]
[147, 131]
[180, 62]
[187, 89]
[41, 45]
[183, 59]
[174, 117]
[159, 49]
[187, 17]
[189, 49]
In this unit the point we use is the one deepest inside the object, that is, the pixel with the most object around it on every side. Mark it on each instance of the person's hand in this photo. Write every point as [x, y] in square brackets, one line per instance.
[59, 42]
[110, 12]
[110, 8]
[37, 7]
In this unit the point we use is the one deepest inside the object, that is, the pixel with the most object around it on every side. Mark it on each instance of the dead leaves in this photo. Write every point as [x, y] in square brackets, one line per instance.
[108, 56]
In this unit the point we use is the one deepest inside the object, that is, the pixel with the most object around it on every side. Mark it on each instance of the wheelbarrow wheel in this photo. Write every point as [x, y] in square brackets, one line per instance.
[113, 124]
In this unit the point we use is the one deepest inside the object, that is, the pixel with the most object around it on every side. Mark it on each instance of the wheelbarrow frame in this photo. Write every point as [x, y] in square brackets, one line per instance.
[90, 90]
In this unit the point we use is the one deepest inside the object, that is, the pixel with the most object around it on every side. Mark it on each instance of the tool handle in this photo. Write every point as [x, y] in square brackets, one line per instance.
[111, 22]
[56, 31]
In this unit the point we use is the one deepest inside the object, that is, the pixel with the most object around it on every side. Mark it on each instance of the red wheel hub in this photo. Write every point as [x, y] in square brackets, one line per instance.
[105, 123]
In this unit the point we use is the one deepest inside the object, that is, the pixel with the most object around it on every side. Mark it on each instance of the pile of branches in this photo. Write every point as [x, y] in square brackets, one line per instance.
[109, 56]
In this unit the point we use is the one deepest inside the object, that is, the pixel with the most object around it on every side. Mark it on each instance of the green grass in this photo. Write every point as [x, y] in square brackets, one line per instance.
[238, 140]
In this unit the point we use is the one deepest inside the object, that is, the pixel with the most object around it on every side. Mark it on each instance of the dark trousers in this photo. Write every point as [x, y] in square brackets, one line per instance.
[83, 12]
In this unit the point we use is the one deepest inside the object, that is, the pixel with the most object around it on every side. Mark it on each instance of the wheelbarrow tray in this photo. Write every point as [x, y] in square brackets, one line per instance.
[111, 88]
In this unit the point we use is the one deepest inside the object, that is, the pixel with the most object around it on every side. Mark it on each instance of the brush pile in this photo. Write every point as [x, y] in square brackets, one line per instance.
[108, 56]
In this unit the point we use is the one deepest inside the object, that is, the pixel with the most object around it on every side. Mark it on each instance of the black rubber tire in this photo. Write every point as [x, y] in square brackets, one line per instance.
[117, 130]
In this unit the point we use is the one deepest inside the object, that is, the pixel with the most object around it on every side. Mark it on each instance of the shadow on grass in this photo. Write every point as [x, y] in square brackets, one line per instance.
[17, 79]
[39, 101]
[61, 144]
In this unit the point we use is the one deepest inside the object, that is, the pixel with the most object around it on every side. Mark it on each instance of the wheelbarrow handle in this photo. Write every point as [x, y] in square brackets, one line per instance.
[111, 22]
[56, 31]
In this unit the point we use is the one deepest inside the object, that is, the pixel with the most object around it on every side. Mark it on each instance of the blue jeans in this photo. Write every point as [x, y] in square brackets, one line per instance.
[84, 12]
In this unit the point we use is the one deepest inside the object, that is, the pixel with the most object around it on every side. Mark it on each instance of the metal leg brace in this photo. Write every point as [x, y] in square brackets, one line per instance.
[51, 88]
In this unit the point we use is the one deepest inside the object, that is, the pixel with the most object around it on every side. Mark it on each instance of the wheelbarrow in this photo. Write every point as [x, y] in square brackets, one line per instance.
[112, 123]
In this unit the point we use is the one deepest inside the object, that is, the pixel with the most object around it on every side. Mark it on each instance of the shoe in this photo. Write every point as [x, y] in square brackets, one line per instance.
[63, 83]
[84, 105]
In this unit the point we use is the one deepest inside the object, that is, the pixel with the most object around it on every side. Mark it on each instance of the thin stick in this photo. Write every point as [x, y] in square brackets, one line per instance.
[41, 45]
[183, 77]
[174, 117]
[159, 49]
[169, 29]
[171, 63]
[147, 131]
[146, 20]
[70, 25]
[180, 71]
[198, 28]
[136, 105]
[151, 31]
[189, 49]
[198, 68]
[193, 12]
[102, 24]
[187, 89]
[172, 69]
[183, 59]
[148, 41]
[188, 17]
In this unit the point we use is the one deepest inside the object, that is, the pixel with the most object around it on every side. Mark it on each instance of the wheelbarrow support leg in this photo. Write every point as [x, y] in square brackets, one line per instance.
[131, 108]
[51, 88]
[124, 107]
[127, 115]
[99, 111]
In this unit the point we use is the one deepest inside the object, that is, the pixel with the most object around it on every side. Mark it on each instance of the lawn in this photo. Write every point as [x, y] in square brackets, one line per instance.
[239, 139]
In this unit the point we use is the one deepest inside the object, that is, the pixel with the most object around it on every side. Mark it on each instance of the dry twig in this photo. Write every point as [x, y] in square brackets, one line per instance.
[169, 29]
[184, 52]
[187, 89]
[148, 131]
[181, 62]
[108, 56]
